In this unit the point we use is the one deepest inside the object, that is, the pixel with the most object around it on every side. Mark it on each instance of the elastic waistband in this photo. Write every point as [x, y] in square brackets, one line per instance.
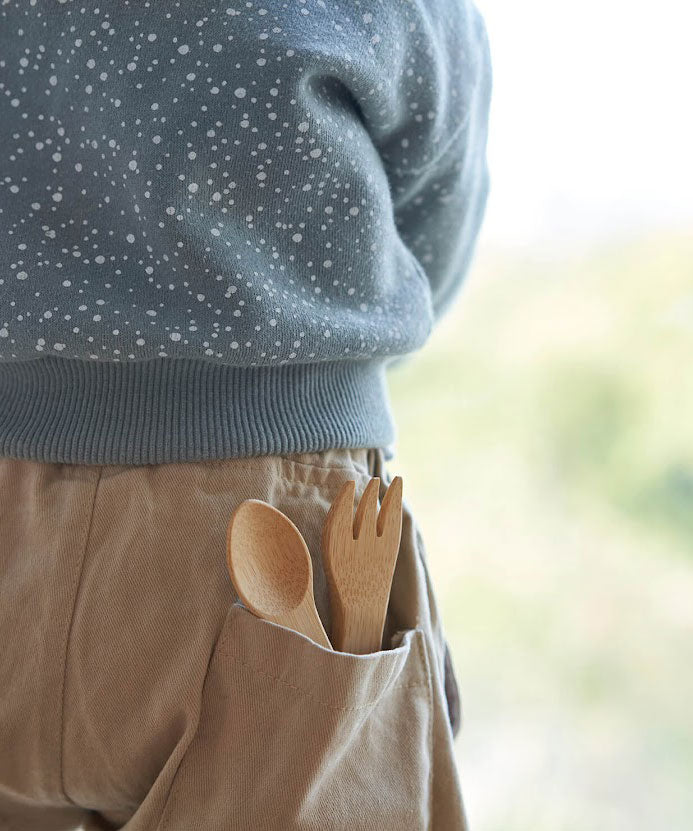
[175, 410]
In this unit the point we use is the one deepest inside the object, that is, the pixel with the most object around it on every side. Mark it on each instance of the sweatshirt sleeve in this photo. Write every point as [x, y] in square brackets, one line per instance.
[434, 151]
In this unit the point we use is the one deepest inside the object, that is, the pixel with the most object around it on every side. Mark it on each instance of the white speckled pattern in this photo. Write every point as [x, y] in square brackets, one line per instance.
[247, 184]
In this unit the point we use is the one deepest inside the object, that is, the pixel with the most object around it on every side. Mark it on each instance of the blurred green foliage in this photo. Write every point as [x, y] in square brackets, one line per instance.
[545, 438]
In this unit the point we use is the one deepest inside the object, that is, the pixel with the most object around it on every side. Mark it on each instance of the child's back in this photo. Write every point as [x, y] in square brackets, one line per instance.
[219, 225]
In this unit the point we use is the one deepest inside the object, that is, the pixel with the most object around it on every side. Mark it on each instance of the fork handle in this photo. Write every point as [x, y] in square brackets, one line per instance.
[358, 628]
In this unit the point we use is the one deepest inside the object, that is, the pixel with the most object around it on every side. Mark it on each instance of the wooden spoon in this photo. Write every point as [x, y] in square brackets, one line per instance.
[271, 569]
[359, 558]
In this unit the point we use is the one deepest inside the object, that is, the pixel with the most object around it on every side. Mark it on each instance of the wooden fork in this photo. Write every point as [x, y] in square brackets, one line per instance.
[359, 556]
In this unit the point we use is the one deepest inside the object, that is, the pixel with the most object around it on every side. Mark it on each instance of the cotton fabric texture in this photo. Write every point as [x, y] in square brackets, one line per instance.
[139, 693]
[220, 224]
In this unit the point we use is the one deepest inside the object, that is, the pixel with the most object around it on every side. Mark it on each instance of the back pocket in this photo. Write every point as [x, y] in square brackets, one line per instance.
[295, 736]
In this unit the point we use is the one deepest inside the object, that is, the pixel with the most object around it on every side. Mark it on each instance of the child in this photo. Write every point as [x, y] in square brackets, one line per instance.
[219, 226]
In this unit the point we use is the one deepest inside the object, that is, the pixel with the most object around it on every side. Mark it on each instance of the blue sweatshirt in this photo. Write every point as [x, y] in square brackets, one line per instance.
[221, 223]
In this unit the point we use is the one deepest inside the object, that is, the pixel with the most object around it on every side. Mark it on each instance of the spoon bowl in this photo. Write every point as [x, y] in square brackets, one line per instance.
[271, 569]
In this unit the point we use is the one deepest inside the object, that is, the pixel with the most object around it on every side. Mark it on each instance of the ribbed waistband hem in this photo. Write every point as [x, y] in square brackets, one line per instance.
[166, 410]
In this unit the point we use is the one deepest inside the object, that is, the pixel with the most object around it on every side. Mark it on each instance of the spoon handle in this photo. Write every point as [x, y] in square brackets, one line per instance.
[304, 619]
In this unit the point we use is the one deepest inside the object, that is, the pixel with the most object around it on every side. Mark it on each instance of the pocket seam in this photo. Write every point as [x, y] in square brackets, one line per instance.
[326, 704]
[431, 718]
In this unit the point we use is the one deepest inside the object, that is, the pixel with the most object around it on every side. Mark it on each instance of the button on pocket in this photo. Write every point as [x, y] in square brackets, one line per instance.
[295, 736]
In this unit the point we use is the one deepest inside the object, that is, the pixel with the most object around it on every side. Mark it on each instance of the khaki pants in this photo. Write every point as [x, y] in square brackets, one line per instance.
[137, 691]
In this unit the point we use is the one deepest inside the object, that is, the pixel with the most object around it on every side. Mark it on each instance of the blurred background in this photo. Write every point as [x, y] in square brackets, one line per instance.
[546, 429]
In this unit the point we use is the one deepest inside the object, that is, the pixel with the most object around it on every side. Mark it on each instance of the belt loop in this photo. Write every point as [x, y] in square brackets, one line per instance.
[376, 467]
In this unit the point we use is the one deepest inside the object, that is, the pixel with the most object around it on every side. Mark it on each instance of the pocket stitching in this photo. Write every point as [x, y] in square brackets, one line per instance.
[418, 634]
[426, 659]
[431, 716]
[317, 700]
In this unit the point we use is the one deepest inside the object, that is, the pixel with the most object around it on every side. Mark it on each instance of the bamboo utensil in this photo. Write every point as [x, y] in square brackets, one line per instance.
[270, 566]
[359, 556]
